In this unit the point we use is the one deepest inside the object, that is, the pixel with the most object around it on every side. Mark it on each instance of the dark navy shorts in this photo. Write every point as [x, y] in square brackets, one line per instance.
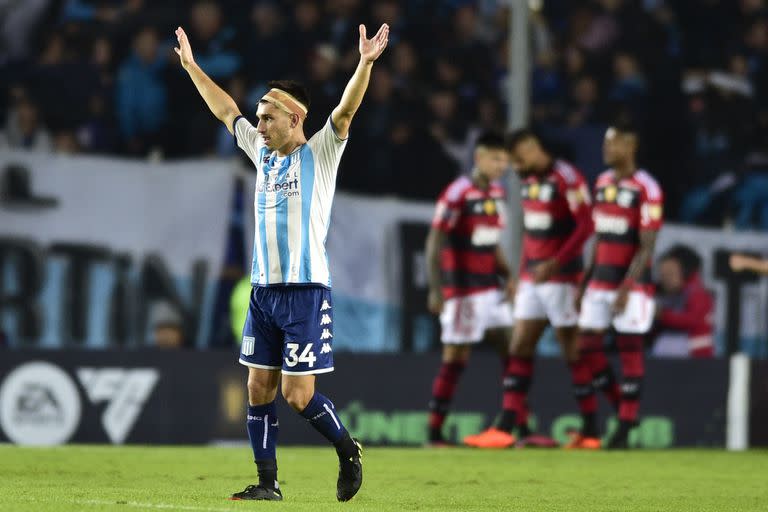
[289, 328]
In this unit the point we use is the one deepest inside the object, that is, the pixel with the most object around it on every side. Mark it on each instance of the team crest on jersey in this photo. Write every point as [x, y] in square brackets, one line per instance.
[655, 211]
[533, 191]
[609, 193]
[625, 198]
[489, 206]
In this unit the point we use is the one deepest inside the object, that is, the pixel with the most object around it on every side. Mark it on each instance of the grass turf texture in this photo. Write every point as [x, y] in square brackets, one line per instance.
[90, 478]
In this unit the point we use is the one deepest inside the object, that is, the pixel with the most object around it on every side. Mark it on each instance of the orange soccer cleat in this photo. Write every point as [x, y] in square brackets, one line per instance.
[491, 438]
[580, 442]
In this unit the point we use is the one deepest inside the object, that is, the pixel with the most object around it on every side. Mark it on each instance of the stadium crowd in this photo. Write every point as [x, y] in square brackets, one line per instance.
[100, 77]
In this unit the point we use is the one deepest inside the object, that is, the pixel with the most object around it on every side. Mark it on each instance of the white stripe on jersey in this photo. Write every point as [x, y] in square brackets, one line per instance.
[274, 272]
[566, 170]
[294, 227]
[652, 188]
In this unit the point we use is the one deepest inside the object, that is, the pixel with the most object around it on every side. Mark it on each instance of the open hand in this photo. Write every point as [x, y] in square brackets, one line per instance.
[184, 51]
[435, 302]
[370, 49]
[622, 297]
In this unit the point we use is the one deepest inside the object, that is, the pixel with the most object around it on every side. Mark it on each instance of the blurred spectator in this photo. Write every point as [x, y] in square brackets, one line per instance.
[685, 308]
[17, 25]
[693, 74]
[24, 129]
[583, 105]
[167, 326]
[102, 11]
[323, 85]
[142, 98]
[266, 44]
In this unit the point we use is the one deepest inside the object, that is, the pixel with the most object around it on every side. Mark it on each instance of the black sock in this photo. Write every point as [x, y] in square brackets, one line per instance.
[507, 420]
[589, 425]
[267, 469]
[523, 430]
[346, 447]
[624, 428]
[435, 435]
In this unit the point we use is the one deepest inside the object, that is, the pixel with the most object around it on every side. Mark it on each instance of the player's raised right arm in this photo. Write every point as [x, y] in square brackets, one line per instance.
[221, 104]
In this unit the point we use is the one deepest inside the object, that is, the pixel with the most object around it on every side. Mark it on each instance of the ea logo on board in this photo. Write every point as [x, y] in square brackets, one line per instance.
[39, 405]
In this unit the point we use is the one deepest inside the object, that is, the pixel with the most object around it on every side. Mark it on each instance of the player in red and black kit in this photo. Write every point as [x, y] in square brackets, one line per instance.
[618, 291]
[465, 263]
[557, 221]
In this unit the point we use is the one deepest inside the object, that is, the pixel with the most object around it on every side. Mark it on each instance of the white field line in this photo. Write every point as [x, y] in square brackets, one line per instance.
[136, 504]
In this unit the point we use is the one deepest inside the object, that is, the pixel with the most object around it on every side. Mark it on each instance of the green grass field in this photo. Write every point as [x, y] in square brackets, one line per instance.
[90, 478]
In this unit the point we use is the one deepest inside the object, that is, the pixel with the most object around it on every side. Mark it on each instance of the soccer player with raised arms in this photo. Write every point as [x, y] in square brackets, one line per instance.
[288, 331]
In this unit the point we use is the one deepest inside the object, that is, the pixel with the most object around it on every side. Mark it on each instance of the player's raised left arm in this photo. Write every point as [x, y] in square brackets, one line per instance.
[370, 50]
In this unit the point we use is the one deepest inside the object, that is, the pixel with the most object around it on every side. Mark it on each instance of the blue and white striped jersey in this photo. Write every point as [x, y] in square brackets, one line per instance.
[292, 206]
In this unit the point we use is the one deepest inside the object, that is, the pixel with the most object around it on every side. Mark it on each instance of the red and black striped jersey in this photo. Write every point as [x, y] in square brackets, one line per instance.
[556, 221]
[623, 208]
[472, 219]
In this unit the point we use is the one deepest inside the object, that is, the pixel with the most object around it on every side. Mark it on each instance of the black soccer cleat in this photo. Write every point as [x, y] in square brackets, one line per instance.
[350, 475]
[618, 441]
[259, 493]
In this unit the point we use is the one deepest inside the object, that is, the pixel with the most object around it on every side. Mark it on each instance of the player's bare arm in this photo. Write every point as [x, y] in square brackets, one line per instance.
[585, 279]
[505, 272]
[636, 267]
[435, 242]
[221, 104]
[742, 263]
[370, 50]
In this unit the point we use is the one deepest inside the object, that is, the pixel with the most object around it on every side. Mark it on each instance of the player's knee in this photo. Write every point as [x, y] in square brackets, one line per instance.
[297, 396]
[260, 391]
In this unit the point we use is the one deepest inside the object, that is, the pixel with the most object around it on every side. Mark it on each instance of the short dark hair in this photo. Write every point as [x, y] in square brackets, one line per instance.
[689, 259]
[625, 126]
[521, 135]
[490, 140]
[292, 87]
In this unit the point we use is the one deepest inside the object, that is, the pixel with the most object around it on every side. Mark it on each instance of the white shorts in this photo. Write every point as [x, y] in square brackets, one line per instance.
[465, 319]
[555, 302]
[597, 313]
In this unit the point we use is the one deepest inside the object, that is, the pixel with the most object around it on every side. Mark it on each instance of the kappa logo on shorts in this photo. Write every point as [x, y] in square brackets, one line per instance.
[326, 306]
[249, 343]
[326, 348]
[325, 320]
[326, 334]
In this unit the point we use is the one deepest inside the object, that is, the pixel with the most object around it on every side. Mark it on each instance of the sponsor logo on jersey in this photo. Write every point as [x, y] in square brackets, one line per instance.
[326, 306]
[485, 235]
[537, 220]
[611, 224]
[326, 348]
[326, 319]
[287, 187]
[609, 193]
